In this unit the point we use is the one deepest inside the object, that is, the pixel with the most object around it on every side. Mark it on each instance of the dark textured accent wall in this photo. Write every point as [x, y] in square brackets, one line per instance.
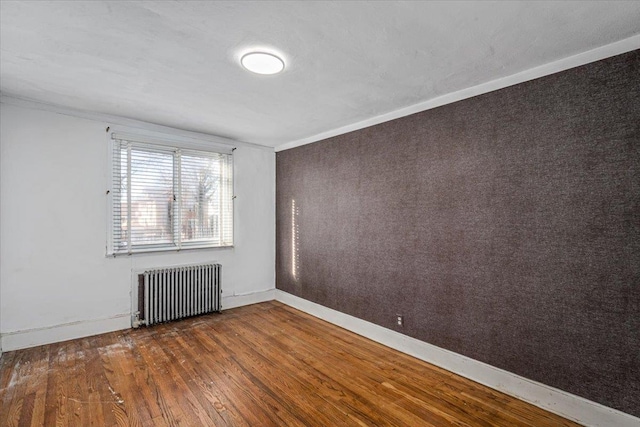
[505, 227]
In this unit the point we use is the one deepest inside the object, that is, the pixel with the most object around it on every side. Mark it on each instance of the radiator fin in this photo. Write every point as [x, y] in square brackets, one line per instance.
[175, 293]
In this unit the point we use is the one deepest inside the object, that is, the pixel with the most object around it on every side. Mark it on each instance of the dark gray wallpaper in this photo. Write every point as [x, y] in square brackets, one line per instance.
[504, 227]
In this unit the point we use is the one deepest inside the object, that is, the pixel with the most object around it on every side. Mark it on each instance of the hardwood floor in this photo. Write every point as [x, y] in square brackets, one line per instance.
[260, 365]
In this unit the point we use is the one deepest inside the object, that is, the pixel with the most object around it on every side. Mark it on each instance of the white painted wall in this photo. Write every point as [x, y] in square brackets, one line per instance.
[53, 214]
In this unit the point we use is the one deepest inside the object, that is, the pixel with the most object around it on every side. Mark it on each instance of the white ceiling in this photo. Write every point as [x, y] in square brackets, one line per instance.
[176, 63]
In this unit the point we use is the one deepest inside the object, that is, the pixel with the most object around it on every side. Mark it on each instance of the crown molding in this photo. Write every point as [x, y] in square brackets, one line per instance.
[597, 54]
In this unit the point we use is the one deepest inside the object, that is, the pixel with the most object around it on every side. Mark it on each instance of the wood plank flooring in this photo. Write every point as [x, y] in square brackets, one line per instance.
[260, 365]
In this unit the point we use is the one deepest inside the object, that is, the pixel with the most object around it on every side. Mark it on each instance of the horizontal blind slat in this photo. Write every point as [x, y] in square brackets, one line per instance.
[206, 180]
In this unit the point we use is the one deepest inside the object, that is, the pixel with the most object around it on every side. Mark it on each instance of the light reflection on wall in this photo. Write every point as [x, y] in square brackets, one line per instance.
[295, 236]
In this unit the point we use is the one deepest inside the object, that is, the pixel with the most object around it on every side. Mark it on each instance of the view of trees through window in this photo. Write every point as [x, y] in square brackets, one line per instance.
[200, 177]
[177, 199]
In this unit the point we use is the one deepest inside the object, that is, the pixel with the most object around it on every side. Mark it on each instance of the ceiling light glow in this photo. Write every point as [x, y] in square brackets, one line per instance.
[262, 63]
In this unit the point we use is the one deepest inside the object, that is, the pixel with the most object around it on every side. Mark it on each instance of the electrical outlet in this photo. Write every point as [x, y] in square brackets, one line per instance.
[399, 319]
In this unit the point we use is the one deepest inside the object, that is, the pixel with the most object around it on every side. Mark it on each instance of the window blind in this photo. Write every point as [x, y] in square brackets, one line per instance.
[169, 198]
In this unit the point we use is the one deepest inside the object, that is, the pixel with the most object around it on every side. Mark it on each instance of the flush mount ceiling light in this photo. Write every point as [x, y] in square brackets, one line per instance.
[262, 63]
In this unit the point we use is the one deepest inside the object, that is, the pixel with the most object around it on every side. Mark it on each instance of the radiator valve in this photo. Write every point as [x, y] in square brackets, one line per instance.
[135, 322]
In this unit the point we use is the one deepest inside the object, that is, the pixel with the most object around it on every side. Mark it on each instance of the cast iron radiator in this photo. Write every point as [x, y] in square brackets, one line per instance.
[175, 293]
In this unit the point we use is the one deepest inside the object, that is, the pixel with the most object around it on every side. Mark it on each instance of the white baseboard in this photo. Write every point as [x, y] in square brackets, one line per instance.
[68, 331]
[552, 399]
[233, 301]
[39, 336]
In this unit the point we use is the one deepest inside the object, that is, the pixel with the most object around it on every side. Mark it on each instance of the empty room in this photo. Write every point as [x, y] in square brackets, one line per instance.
[320, 213]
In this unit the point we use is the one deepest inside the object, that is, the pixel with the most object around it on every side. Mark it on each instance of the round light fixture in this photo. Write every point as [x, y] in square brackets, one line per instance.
[262, 63]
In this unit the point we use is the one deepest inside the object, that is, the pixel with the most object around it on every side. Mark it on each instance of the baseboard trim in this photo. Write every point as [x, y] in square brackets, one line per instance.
[68, 331]
[552, 399]
[239, 300]
[18, 340]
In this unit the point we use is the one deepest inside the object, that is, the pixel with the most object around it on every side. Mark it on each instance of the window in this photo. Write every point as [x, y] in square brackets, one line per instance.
[169, 198]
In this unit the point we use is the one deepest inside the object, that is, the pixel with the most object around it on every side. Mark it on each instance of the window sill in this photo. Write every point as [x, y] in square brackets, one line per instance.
[165, 250]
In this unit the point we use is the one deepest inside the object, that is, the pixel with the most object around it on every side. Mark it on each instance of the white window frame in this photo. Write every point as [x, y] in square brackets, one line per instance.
[167, 144]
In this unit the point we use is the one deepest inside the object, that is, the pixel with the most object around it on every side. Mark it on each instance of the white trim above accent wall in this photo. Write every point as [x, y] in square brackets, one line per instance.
[570, 406]
[613, 49]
